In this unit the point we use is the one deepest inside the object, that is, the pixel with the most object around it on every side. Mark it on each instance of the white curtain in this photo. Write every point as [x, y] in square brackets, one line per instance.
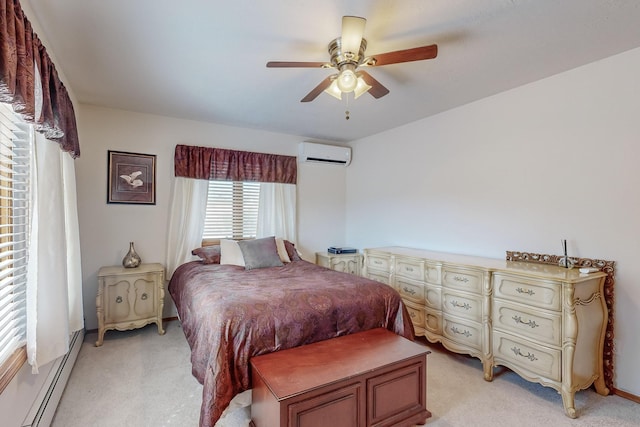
[186, 221]
[54, 284]
[277, 211]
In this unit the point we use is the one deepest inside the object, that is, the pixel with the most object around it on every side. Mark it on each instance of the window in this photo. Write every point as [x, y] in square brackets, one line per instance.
[15, 149]
[232, 210]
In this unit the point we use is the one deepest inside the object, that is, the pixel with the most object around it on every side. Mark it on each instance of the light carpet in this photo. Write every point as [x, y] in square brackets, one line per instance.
[139, 378]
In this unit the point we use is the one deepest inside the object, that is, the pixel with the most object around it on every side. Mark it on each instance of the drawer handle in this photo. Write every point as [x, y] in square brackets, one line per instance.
[412, 314]
[529, 356]
[461, 279]
[525, 291]
[144, 296]
[531, 323]
[118, 299]
[409, 291]
[377, 262]
[457, 331]
[408, 268]
[466, 306]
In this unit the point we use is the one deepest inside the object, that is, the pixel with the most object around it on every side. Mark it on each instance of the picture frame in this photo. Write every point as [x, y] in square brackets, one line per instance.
[131, 178]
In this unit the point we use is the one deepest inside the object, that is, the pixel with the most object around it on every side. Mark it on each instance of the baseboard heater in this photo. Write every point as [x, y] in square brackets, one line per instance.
[44, 407]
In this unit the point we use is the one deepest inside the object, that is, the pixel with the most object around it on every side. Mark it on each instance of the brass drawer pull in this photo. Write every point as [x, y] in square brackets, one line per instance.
[408, 268]
[375, 261]
[461, 279]
[531, 323]
[523, 291]
[409, 291]
[529, 356]
[466, 306]
[118, 299]
[457, 331]
[144, 296]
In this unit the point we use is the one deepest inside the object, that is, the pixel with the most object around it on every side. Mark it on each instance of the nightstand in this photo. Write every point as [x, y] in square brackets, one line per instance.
[129, 298]
[346, 263]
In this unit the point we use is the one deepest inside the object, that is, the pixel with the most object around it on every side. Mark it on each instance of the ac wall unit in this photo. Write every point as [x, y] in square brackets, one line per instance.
[322, 153]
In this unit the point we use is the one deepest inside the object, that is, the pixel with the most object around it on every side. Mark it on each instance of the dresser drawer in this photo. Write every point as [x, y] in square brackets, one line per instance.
[378, 262]
[538, 326]
[410, 289]
[461, 278]
[519, 353]
[539, 293]
[416, 312]
[462, 331]
[378, 276]
[463, 305]
[410, 268]
[433, 296]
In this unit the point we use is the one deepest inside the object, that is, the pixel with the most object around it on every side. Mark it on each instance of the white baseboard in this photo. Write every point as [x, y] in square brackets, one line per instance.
[44, 407]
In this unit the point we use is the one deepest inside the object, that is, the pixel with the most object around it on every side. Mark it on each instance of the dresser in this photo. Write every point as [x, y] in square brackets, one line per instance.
[346, 263]
[545, 323]
[371, 378]
[129, 298]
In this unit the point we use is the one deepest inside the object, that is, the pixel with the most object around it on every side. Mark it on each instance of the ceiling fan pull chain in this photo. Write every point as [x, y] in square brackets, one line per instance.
[347, 113]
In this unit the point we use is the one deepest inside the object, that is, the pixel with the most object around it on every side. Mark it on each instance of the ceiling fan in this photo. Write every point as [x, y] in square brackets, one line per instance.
[347, 57]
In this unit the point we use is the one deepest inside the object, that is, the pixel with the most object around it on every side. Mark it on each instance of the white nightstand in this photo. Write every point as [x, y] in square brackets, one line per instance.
[347, 263]
[129, 298]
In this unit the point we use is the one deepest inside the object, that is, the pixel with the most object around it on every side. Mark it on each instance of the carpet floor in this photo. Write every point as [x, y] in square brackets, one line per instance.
[141, 379]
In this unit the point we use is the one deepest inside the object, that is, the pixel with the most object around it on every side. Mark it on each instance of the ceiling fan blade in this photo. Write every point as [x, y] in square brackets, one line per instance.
[291, 64]
[406, 55]
[377, 90]
[352, 33]
[317, 90]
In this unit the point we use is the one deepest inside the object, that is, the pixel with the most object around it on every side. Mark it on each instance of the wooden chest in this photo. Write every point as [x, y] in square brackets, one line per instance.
[372, 378]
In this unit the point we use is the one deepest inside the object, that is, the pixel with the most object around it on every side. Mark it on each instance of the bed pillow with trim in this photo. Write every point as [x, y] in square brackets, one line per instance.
[208, 254]
[292, 251]
[260, 253]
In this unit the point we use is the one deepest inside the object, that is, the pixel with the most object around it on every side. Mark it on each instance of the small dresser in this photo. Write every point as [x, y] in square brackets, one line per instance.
[346, 263]
[129, 298]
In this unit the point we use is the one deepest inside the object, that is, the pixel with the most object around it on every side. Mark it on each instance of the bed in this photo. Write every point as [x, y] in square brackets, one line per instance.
[230, 313]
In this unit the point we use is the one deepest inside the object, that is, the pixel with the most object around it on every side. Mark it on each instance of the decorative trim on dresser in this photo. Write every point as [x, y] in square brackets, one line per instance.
[546, 323]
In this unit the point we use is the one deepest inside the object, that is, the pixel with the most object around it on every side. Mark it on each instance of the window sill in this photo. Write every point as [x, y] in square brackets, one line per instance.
[10, 368]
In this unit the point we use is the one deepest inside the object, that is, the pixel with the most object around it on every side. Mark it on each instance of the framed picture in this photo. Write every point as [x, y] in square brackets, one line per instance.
[132, 178]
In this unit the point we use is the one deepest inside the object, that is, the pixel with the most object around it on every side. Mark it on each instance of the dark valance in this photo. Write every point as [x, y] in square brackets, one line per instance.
[21, 53]
[232, 165]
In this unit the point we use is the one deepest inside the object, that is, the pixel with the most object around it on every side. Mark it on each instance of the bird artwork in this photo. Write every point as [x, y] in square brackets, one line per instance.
[132, 179]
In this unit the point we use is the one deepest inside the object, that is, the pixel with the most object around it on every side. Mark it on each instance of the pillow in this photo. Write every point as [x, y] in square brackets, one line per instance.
[292, 251]
[208, 254]
[230, 253]
[282, 250]
[260, 253]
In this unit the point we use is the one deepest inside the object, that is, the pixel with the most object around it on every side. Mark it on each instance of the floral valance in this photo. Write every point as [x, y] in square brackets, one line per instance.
[232, 165]
[21, 54]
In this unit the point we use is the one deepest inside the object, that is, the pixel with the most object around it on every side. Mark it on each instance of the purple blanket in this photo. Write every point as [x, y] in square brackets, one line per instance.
[230, 314]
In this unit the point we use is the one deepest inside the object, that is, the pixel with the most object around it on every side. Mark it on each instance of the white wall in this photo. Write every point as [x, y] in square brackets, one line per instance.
[556, 159]
[107, 229]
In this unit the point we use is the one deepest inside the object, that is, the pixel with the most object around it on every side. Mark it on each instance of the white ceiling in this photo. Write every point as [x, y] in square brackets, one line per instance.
[205, 60]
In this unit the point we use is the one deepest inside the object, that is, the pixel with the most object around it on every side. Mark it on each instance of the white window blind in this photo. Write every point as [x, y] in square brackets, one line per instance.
[232, 210]
[15, 149]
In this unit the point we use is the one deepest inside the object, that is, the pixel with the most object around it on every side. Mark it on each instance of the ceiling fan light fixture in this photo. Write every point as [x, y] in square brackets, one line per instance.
[347, 80]
[362, 87]
[334, 90]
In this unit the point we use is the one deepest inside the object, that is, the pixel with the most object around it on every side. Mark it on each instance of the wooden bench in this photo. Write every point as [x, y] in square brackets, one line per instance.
[372, 378]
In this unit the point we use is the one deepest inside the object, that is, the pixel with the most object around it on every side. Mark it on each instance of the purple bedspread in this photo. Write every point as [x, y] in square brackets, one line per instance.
[230, 314]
